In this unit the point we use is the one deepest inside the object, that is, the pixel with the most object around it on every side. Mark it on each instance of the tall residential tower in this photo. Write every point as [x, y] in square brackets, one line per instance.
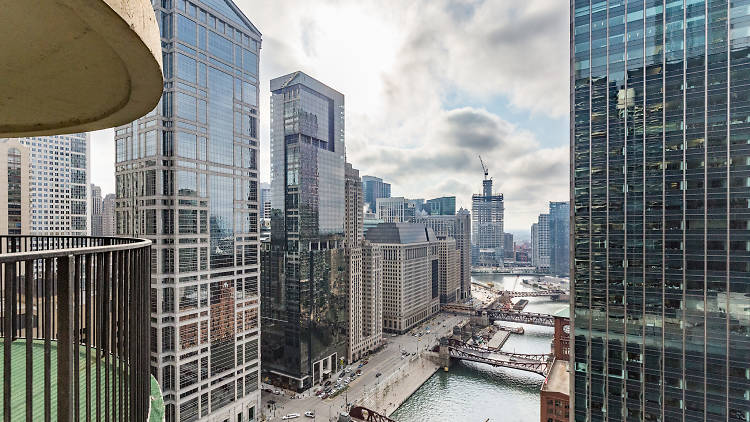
[660, 140]
[59, 184]
[187, 178]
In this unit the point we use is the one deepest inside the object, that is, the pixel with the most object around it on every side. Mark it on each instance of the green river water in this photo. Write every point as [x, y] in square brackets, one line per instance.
[475, 392]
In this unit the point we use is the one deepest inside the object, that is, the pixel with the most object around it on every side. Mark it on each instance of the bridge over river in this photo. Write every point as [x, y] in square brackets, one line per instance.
[456, 349]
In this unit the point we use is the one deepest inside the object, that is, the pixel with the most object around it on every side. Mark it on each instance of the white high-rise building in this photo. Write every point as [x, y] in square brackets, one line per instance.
[96, 210]
[540, 243]
[399, 209]
[108, 215]
[59, 184]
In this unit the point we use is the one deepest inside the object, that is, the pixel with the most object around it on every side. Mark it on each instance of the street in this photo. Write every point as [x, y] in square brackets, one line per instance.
[386, 361]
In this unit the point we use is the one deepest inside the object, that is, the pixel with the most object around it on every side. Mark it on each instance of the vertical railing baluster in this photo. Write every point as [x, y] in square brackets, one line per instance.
[76, 286]
[89, 331]
[48, 274]
[98, 328]
[120, 339]
[113, 330]
[29, 296]
[106, 330]
[65, 396]
[8, 337]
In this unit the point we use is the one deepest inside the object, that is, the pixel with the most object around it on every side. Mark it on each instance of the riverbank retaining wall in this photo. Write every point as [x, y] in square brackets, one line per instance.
[392, 390]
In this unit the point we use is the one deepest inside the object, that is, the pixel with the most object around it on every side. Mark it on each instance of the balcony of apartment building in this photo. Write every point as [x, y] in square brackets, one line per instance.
[75, 315]
[75, 311]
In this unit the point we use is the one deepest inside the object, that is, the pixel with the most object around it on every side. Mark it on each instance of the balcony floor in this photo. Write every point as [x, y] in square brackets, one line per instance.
[18, 383]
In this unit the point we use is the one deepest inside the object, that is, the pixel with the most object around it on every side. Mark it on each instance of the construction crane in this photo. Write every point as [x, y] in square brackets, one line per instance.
[486, 170]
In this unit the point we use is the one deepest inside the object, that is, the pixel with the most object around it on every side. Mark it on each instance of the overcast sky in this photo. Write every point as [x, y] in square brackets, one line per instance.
[429, 85]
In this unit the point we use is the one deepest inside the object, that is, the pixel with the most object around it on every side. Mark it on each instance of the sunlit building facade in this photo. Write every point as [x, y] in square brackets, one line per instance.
[15, 201]
[59, 184]
[411, 273]
[458, 227]
[660, 140]
[187, 179]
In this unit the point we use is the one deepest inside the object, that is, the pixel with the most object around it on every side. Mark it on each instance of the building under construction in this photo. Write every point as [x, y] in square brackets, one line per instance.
[487, 225]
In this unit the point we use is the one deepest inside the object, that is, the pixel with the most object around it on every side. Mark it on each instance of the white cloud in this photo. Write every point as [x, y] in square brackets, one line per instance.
[397, 62]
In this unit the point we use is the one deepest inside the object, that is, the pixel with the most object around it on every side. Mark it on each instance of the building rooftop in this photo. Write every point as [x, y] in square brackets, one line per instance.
[563, 313]
[558, 380]
[401, 233]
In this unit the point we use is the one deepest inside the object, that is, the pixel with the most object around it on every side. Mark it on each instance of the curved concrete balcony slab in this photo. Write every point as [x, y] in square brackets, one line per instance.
[77, 65]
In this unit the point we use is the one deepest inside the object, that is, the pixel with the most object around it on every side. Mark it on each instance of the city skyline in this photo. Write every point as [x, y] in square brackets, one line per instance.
[519, 118]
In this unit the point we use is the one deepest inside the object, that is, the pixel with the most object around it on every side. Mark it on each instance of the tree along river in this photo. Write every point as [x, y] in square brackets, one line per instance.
[475, 392]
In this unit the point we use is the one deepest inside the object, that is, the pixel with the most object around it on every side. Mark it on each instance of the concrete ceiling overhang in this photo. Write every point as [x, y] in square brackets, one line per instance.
[76, 65]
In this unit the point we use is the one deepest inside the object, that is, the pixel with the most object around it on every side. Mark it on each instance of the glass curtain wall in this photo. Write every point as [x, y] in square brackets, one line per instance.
[660, 142]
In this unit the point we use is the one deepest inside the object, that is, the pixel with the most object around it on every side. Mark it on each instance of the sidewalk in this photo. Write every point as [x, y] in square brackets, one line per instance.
[391, 392]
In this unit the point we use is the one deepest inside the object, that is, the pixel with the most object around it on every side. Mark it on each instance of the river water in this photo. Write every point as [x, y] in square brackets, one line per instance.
[475, 392]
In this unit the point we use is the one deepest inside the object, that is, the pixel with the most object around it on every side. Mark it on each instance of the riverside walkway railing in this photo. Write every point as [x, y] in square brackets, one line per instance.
[75, 318]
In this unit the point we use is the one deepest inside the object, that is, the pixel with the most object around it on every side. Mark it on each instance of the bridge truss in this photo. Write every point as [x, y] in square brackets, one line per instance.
[521, 317]
[536, 363]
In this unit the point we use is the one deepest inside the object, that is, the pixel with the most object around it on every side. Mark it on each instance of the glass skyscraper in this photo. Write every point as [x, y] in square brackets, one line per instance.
[374, 188]
[660, 140]
[559, 238]
[187, 178]
[304, 280]
[445, 205]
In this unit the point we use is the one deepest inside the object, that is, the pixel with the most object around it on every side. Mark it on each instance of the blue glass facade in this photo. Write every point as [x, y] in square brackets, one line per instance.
[374, 188]
[187, 178]
[559, 238]
[660, 142]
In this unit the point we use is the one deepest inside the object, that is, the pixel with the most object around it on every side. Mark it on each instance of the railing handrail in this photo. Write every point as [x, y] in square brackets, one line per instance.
[129, 243]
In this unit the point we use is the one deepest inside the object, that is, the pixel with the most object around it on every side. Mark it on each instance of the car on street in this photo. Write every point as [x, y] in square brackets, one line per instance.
[277, 392]
[324, 396]
[348, 369]
[327, 383]
[268, 390]
[310, 414]
[378, 374]
[290, 416]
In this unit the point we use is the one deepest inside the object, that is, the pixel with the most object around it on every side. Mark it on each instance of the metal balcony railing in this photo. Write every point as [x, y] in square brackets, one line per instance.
[75, 326]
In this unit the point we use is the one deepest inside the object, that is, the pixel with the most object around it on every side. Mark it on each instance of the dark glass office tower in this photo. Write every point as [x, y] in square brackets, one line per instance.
[304, 279]
[187, 179]
[660, 140]
[374, 188]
